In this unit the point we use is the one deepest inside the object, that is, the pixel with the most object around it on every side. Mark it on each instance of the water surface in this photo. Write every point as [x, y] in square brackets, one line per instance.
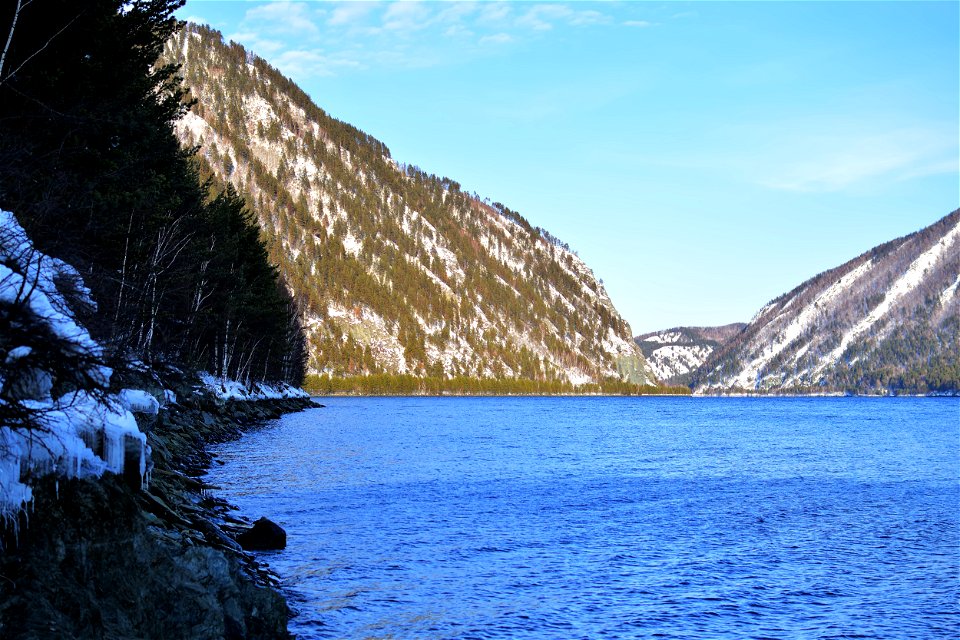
[611, 517]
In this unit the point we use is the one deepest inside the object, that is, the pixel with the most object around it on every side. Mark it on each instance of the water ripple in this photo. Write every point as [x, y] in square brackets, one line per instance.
[611, 518]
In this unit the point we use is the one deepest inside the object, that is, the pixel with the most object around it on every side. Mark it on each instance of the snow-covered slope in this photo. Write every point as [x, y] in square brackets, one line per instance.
[887, 320]
[674, 354]
[397, 271]
[55, 416]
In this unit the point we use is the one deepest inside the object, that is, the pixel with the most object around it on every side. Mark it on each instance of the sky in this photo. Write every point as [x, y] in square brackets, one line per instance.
[702, 157]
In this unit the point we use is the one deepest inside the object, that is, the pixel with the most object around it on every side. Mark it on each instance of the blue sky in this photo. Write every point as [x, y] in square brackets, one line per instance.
[702, 157]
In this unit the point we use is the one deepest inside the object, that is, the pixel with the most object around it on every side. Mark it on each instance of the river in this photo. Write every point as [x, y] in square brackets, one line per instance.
[604, 517]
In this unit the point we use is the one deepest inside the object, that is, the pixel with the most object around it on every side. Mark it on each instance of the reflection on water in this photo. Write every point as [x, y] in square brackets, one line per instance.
[610, 517]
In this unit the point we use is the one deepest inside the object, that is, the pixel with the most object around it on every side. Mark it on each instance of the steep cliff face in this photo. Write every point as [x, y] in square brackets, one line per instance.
[674, 354]
[396, 271]
[888, 320]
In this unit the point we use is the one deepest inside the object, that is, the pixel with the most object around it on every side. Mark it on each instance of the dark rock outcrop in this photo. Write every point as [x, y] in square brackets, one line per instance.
[99, 559]
[264, 535]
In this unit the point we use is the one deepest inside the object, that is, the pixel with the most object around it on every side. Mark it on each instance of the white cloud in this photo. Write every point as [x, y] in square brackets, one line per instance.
[494, 13]
[542, 17]
[350, 13]
[589, 17]
[638, 23]
[256, 43]
[290, 18]
[197, 20]
[398, 35]
[833, 162]
[406, 16]
[305, 63]
[497, 38]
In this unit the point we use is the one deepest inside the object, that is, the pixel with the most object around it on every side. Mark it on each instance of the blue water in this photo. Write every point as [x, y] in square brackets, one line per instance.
[611, 517]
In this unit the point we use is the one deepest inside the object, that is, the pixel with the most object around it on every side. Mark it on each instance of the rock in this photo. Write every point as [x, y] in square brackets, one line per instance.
[264, 535]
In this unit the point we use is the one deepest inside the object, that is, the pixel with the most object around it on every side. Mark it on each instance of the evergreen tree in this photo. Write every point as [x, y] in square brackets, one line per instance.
[90, 165]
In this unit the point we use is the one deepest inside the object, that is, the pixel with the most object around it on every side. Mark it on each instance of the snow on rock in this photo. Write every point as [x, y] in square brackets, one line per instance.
[227, 389]
[79, 434]
[138, 401]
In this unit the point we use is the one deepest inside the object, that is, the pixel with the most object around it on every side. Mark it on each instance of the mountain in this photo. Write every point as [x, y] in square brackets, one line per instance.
[674, 354]
[396, 271]
[887, 321]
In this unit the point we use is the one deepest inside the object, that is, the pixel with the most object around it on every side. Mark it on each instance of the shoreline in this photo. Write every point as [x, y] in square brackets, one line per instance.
[98, 558]
[639, 395]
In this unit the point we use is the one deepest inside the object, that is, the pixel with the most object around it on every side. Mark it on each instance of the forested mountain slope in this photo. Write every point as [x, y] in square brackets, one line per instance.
[886, 321]
[396, 271]
[674, 354]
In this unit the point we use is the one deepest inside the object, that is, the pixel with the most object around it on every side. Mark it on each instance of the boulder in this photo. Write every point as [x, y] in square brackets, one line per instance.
[264, 535]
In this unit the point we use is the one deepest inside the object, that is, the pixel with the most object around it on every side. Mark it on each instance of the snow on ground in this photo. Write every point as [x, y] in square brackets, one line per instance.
[195, 127]
[947, 295]
[257, 109]
[351, 244]
[79, 434]
[227, 389]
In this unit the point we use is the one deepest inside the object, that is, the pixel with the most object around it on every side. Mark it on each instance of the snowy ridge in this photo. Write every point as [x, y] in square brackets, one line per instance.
[674, 360]
[887, 317]
[906, 283]
[776, 337]
[79, 434]
[674, 354]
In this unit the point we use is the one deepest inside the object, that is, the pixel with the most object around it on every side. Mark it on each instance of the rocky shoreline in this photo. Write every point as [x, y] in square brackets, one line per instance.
[101, 559]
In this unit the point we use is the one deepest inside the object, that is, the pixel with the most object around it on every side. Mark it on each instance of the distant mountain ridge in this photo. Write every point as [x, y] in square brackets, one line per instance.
[674, 354]
[396, 271]
[887, 321]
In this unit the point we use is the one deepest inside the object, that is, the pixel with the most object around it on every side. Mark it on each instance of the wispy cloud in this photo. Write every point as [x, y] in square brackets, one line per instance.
[407, 16]
[196, 19]
[336, 37]
[836, 162]
[544, 17]
[289, 18]
[306, 63]
[826, 154]
[497, 38]
[350, 12]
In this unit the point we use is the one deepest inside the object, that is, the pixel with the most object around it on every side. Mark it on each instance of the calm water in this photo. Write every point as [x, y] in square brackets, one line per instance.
[611, 517]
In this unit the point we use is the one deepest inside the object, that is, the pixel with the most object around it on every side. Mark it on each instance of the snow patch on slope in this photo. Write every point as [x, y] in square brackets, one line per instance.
[947, 295]
[676, 359]
[901, 287]
[773, 345]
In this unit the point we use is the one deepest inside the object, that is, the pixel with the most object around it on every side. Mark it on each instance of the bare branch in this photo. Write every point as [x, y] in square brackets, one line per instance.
[35, 53]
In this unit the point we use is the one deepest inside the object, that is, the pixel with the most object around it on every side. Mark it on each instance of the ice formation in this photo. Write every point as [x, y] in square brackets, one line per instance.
[80, 434]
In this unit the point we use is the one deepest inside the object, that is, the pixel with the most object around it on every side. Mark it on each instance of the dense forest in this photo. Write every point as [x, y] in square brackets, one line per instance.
[92, 169]
[396, 271]
[400, 384]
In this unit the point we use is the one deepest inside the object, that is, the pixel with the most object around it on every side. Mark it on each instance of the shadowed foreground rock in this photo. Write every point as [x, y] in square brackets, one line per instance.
[264, 535]
[98, 559]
